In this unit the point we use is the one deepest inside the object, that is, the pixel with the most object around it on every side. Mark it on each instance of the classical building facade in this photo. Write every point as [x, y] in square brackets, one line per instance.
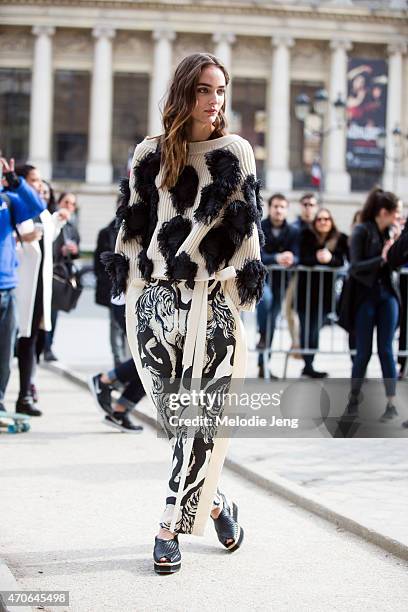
[81, 84]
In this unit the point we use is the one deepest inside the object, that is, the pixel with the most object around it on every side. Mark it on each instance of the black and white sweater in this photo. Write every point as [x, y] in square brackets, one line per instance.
[209, 220]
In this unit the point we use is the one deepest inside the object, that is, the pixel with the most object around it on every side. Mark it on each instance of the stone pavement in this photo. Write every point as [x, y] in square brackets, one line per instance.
[366, 479]
[80, 504]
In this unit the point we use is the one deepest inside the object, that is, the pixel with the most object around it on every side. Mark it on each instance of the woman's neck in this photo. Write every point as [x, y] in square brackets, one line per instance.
[199, 132]
[382, 226]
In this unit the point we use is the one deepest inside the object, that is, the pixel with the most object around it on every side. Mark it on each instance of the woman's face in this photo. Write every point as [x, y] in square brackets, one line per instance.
[210, 95]
[68, 202]
[323, 222]
[388, 217]
[45, 192]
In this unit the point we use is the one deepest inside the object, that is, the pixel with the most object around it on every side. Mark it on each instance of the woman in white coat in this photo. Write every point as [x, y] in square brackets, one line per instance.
[35, 289]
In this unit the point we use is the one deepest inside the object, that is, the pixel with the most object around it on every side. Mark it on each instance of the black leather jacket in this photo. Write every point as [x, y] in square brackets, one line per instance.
[367, 265]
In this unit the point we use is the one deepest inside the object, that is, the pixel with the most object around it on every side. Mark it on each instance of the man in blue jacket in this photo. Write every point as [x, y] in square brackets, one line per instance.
[18, 202]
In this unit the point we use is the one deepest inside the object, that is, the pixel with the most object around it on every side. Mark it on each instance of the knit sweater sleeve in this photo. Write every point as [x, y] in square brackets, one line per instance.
[133, 216]
[246, 288]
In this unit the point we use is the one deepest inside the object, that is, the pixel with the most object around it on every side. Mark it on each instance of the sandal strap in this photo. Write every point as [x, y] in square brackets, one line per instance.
[168, 549]
[226, 527]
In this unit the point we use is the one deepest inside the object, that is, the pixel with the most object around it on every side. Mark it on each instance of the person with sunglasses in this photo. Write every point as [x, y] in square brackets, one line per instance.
[321, 244]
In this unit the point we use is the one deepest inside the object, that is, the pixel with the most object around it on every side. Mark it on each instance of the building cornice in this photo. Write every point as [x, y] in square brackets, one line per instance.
[240, 7]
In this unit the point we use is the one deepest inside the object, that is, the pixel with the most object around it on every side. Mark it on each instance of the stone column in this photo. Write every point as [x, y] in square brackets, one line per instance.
[391, 180]
[99, 166]
[337, 180]
[162, 70]
[278, 175]
[41, 101]
[222, 51]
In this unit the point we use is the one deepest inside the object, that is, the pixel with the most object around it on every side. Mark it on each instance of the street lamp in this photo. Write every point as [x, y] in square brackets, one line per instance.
[302, 106]
[321, 102]
[399, 154]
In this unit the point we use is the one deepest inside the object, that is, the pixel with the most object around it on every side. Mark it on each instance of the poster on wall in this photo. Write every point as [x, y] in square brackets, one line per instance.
[366, 111]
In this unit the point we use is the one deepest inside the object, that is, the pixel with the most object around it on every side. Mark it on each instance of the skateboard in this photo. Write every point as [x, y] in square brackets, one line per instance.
[11, 422]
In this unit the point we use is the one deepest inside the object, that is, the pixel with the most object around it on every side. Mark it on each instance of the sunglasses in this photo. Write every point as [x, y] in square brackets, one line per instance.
[323, 219]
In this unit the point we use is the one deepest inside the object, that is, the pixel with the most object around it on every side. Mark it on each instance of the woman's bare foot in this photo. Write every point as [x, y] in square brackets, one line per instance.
[215, 513]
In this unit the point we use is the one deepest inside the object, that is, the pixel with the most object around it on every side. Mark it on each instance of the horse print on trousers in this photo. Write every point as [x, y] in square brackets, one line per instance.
[161, 318]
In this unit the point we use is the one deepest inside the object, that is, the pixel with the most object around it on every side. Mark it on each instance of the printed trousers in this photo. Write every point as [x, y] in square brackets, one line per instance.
[184, 339]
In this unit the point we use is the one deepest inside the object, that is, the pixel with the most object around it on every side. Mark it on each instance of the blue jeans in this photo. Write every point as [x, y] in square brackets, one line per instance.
[267, 312]
[309, 340]
[8, 329]
[379, 309]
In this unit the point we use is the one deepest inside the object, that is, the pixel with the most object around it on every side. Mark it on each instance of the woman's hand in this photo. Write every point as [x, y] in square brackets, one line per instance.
[7, 167]
[396, 230]
[64, 214]
[36, 234]
[324, 256]
[386, 248]
[69, 248]
[10, 178]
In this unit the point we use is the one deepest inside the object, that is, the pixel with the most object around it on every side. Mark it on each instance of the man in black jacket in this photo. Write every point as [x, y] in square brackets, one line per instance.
[106, 242]
[281, 248]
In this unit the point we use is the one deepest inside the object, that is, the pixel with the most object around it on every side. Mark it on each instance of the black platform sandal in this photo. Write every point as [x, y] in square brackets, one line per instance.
[169, 549]
[227, 527]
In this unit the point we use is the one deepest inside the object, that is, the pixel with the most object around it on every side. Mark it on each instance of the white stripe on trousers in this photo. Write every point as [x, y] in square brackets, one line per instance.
[194, 354]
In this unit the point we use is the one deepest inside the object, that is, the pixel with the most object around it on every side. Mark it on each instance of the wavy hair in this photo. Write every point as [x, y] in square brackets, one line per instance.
[178, 107]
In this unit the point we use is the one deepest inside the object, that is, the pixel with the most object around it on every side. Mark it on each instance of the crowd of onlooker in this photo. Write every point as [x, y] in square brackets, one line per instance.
[373, 296]
[305, 259]
[38, 233]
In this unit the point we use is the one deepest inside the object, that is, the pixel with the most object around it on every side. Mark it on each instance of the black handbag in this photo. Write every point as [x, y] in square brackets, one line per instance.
[66, 283]
[66, 286]
[346, 304]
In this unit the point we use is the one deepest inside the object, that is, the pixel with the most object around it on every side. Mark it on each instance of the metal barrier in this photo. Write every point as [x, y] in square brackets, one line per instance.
[312, 294]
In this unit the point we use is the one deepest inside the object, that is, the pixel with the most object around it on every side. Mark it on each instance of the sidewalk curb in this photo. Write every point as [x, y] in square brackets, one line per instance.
[9, 583]
[275, 484]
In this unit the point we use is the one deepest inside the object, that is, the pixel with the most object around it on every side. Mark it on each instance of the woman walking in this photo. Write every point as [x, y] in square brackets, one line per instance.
[375, 296]
[320, 245]
[188, 257]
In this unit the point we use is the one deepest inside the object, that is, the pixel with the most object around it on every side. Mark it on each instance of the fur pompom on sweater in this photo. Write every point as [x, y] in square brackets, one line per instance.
[209, 220]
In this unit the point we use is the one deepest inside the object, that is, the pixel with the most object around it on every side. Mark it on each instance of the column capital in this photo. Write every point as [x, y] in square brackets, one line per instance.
[344, 45]
[43, 30]
[224, 37]
[168, 35]
[282, 41]
[103, 32]
[397, 47]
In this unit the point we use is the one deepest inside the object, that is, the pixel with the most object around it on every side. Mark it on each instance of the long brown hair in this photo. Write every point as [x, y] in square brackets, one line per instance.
[179, 105]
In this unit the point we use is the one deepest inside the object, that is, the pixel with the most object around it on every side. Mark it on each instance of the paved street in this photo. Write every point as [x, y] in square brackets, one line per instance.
[365, 478]
[81, 508]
